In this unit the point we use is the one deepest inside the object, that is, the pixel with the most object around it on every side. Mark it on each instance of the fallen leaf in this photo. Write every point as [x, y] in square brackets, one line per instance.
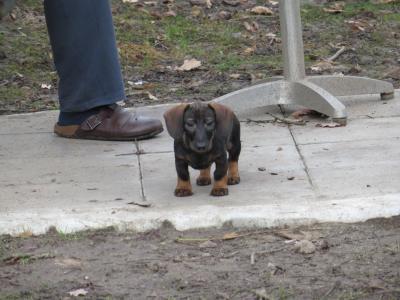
[322, 66]
[78, 292]
[273, 3]
[304, 247]
[261, 10]
[234, 76]
[208, 244]
[45, 86]
[358, 25]
[196, 11]
[208, 3]
[249, 50]
[262, 294]
[329, 125]
[394, 73]
[261, 169]
[253, 27]
[224, 15]
[230, 236]
[68, 262]
[302, 112]
[25, 234]
[170, 13]
[231, 2]
[335, 8]
[189, 64]
[297, 236]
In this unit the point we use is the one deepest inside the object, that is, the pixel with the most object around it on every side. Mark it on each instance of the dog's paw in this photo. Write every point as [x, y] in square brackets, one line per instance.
[219, 192]
[183, 193]
[233, 180]
[202, 181]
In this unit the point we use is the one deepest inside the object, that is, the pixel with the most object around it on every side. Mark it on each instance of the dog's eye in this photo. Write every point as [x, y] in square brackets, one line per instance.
[190, 123]
[209, 122]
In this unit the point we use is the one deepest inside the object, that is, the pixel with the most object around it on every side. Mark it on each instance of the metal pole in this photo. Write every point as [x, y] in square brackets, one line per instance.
[292, 40]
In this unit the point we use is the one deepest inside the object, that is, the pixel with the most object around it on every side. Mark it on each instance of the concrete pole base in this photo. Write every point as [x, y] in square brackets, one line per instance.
[314, 92]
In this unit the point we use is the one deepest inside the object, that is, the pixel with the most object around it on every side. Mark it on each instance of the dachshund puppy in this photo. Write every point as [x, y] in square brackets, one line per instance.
[203, 133]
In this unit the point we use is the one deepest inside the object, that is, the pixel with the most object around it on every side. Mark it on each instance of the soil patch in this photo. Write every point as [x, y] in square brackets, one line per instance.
[332, 261]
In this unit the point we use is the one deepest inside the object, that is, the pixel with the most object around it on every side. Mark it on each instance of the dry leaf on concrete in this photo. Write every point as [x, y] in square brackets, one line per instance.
[329, 125]
[189, 64]
[261, 10]
[302, 112]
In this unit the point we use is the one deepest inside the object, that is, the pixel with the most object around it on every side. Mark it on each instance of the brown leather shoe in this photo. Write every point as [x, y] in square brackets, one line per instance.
[112, 123]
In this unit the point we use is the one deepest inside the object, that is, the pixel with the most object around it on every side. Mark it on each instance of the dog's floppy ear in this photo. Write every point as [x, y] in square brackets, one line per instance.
[224, 119]
[174, 120]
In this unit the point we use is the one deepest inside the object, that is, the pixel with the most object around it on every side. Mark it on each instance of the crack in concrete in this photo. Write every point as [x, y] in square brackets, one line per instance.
[138, 153]
[305, 166]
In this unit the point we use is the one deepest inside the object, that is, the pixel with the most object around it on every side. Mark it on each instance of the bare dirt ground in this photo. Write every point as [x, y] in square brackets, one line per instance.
[336, 261]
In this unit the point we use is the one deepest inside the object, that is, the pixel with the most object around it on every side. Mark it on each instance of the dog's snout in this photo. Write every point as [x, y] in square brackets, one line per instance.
[201, 146]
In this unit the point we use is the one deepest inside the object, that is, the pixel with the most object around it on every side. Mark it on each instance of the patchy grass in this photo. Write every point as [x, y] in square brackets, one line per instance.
[152, 45]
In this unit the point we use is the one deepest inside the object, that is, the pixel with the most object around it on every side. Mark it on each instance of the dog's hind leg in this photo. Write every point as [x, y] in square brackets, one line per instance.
[234, 152]
[204, 177]
[183, 187]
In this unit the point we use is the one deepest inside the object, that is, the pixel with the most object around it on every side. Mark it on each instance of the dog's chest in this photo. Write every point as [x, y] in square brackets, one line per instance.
[200, 161]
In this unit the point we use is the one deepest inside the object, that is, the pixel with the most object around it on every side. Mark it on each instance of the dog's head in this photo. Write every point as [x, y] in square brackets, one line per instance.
[197, 124]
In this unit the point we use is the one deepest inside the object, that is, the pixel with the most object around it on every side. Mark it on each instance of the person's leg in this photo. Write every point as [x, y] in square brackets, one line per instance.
[85, 54]
[90, 81]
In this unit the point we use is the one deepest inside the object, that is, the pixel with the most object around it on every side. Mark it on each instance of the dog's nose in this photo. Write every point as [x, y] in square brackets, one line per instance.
[201, 146]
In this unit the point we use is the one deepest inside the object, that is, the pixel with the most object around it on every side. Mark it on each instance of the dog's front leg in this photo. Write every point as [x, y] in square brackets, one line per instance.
[204, 177]
[220, 187]
[183, 188]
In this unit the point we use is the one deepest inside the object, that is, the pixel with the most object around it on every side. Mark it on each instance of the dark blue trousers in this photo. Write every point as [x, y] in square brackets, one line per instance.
[85, 54]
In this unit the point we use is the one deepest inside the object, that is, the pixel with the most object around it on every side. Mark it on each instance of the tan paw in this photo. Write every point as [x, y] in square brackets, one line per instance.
[233, 180]
[219, 192]
[183, 193]
[203, 181]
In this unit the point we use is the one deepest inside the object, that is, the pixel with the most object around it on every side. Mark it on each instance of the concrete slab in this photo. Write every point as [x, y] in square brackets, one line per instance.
[337, 174]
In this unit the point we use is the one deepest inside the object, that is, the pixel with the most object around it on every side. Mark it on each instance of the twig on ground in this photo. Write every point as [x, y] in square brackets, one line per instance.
[337, 54]
[252, 258]
[11, 260]
[335, 285]
[140, 204]
[287, 121]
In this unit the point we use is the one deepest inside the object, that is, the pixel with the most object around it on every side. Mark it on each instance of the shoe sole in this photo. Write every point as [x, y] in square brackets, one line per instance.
[70, 133]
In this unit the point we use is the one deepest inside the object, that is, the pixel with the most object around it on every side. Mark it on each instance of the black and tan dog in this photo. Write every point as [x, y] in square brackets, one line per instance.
[203, 134]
